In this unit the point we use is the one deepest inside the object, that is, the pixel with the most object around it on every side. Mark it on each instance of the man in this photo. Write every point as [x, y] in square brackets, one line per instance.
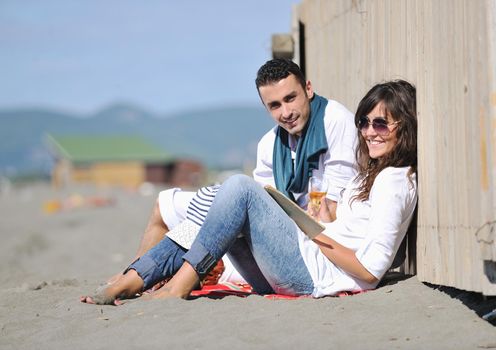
[313, 137]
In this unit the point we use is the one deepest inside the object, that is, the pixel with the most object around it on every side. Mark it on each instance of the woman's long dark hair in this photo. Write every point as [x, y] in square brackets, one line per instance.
[398, 98]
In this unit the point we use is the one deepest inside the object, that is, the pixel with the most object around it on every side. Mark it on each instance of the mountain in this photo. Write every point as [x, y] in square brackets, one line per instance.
[223, 137]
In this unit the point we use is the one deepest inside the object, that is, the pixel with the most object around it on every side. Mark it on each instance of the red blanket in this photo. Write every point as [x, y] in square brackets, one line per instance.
[221, 290]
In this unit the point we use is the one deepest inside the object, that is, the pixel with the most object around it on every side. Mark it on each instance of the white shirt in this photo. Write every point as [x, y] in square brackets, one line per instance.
[336, 165]
[373, 228]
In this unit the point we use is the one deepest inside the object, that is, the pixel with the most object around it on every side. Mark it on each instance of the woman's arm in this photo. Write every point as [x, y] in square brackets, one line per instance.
[344, 258]
[341, 256]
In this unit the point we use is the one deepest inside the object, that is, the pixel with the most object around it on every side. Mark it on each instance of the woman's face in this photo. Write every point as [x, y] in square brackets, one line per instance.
[379, 144]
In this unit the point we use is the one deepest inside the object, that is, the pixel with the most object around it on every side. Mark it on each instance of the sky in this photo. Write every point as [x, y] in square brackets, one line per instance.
[165, 56]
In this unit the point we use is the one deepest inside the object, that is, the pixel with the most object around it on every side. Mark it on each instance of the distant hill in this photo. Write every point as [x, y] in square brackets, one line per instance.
[224, 137]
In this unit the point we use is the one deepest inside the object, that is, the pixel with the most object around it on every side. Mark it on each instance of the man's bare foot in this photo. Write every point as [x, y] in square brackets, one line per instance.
[115, 278]
[110, 294]
[162, 293]
[101, 297]
[100, 301]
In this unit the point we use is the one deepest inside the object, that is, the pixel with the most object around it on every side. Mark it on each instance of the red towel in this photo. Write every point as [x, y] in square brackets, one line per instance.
[243, 290]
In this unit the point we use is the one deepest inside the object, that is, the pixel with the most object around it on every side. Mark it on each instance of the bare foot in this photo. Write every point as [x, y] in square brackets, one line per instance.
[101, 297]
[180, 286]
[115, 278]
[166, 290]
[109, 294]
[162, 293]
[100, 301]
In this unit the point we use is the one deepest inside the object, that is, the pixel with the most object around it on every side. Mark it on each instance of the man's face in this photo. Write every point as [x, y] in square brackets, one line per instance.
[288, 103]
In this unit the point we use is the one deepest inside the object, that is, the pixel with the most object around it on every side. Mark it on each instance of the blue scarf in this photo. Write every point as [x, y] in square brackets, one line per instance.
[311, 145]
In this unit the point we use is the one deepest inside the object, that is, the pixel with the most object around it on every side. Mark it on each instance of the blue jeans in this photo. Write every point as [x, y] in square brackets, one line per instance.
[160, 262]
[270, 238]
[267, 255]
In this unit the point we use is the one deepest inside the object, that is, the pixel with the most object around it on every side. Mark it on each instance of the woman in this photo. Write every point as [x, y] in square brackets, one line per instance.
[273, 255]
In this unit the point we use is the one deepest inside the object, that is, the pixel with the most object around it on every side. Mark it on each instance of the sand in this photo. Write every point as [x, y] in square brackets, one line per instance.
[49, 260]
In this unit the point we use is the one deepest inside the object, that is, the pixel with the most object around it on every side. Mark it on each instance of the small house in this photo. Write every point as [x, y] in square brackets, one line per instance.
[126, 161]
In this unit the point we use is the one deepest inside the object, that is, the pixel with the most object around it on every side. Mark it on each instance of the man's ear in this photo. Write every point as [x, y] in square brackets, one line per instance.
[309, 89]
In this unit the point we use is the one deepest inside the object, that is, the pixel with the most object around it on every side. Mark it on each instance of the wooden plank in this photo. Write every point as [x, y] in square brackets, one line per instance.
[447, 48]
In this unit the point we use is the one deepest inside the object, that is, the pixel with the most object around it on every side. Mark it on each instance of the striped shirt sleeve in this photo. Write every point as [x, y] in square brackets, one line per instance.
[201, 203]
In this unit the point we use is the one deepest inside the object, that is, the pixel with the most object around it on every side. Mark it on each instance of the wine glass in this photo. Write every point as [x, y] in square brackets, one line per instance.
[317, 191]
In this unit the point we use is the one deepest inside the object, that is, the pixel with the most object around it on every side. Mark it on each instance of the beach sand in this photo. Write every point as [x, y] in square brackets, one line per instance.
[49, 259]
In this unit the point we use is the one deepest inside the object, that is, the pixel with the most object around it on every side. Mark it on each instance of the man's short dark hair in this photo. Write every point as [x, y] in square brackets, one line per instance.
[277, 69]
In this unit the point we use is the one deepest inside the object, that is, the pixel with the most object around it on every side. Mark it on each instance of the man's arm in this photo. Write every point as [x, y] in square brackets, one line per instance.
[263, 172]
[339, 160]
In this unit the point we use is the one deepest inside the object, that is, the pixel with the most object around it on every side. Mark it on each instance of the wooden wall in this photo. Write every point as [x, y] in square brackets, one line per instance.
[447, 49]
[127, 174]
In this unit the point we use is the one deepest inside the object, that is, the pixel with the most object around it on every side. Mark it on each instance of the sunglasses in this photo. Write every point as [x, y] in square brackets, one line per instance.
[380, 125]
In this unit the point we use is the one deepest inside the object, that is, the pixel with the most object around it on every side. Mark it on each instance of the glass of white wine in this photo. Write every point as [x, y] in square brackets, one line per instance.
[317, 192]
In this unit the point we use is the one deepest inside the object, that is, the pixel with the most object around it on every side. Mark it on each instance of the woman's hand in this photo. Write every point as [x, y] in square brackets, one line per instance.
[327, 211]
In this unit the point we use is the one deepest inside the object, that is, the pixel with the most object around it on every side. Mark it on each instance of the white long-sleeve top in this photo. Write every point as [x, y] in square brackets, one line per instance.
[373, 229]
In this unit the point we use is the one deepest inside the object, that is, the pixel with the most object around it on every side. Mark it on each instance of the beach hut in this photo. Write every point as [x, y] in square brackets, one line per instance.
[448, 50]
[125, 161]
